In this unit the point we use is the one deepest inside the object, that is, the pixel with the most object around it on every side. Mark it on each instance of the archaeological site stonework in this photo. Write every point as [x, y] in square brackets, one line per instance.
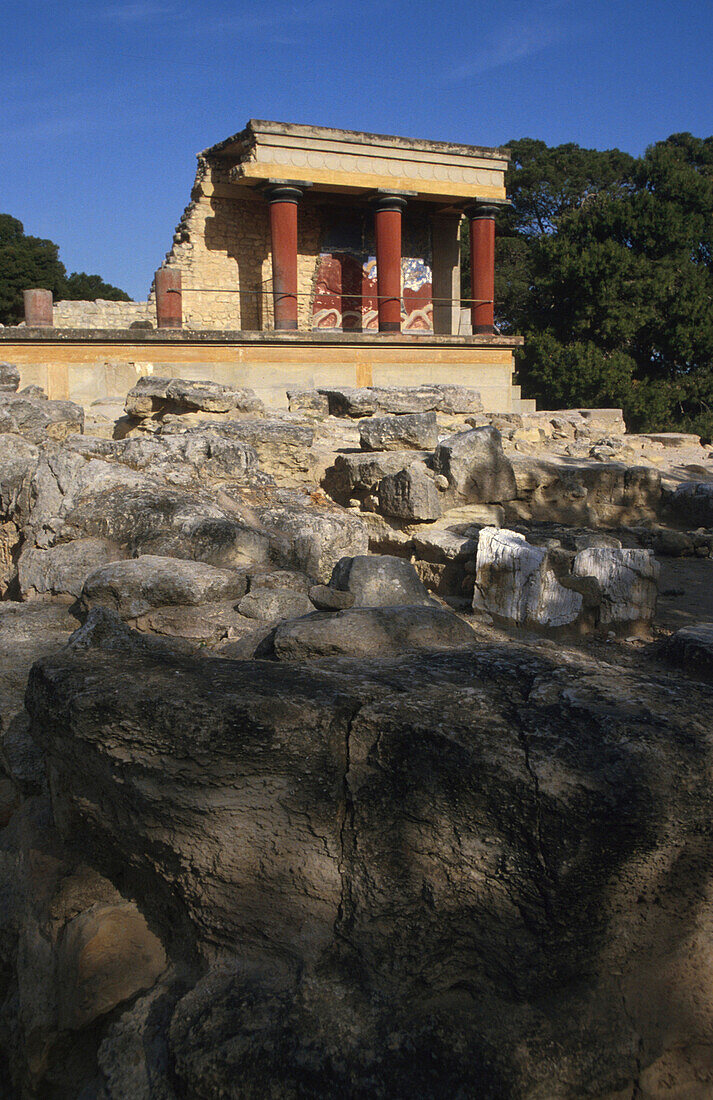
[306, 256]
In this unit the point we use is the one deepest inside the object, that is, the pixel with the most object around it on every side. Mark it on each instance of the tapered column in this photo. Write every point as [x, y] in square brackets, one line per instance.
[387, 228]
[169, 298]
[283, 232]
[482, 266]
[38, 308]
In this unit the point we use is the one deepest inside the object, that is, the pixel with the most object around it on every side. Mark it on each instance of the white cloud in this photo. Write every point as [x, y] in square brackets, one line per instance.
[517, 41]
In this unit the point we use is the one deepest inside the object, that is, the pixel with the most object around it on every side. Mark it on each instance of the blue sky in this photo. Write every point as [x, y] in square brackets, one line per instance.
[104, 103]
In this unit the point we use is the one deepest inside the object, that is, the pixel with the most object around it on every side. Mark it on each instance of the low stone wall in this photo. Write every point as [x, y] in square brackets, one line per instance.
[99, 365]
[103, 314]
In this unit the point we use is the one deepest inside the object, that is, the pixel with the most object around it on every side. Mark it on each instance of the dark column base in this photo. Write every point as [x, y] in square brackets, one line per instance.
[285, 325]
[480, 330]
[389, 326]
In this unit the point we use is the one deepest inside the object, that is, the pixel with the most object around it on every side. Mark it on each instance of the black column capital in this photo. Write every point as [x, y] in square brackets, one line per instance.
[478, 209]
[389, 200]
[283, 192]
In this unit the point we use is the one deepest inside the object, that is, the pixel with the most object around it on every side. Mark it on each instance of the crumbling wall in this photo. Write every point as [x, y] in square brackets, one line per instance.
[103, 314]
[222, 247]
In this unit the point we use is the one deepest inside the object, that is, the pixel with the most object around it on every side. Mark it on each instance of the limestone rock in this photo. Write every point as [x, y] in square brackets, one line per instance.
[134, 587]
[144, 517]
[18, 462]
[9, 378]
[410, 495]
[379, 581]
[282, 446]
[598, 587]
[514, 581]
[312, 539]
[498, 822]
[691, 647]
[692, 503]
[417, 431]
[429, 397]
[278, 578]
[62, 570]
[37, 420]
[369, 632]
[627, 581]
[326, 598]
[158, 396]
[107, 955]
[476, 468]
[272, 604]
[308, 403]
[365, 470]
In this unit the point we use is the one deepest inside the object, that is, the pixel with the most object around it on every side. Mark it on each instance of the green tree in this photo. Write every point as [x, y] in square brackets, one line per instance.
[605, 266]
[27, 262]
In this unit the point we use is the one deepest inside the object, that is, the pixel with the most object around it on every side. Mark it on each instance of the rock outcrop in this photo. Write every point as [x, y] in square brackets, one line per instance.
[476, 871]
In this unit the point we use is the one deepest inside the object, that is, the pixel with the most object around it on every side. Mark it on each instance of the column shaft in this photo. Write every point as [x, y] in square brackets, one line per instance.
[169, 299]
[38, 308]
[482, 267]
[283, 231]
[387, 226]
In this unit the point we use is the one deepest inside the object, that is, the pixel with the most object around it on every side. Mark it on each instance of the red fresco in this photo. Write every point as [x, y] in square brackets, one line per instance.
[345, 297]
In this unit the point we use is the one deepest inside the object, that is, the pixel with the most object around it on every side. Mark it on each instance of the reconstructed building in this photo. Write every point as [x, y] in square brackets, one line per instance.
[311, 256]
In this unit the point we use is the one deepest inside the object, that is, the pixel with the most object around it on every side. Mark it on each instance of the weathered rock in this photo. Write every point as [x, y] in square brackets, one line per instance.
[429, 397]
[365, 470]
[282, 446]
[691, 647]
[598, 587]
[584, 494]
[36, 419]
[273, 604]
[278, 578]
[308, 403]
[134, 587]
[444, 544]
[529, 828]
[107, 955]
[203, 624]
[672, 543]
[379, 581]
[326, 598]
[627, 582]
[141, 517]
[9, 378]
[692, 503]
[159, 396]
[417, 431]
[62, 570]
[370, 631]
[313, 539]
[410, 495]
[515, 581]
[476, 468]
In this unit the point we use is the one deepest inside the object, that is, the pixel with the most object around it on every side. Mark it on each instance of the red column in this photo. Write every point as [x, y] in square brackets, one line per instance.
[387, 227]
[38, 308]
[283, 231]
[169, 299]
[482, 266]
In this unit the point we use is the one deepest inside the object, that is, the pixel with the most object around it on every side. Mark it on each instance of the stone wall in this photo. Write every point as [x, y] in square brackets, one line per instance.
[222, 248]
[103, 314]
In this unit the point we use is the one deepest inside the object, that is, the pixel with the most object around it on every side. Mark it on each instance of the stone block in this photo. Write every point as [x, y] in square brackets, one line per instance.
[410, 495]
[414, 431]
[476, 467]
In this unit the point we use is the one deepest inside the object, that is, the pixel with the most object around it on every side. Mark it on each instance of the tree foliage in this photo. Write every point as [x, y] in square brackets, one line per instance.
[605, 265]
[27, 262]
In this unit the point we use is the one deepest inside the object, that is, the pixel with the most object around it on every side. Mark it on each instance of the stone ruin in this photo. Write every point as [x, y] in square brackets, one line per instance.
[355, 749]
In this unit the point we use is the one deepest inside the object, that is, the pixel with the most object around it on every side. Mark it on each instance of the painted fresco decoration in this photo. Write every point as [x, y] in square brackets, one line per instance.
[345, 294]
